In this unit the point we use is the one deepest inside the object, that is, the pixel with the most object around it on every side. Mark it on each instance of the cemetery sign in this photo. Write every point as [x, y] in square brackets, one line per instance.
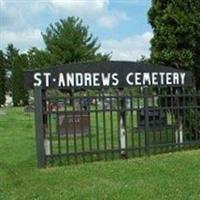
[106, 74]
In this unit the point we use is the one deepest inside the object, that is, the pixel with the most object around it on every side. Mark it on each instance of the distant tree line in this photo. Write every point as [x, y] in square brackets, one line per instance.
[66, 41]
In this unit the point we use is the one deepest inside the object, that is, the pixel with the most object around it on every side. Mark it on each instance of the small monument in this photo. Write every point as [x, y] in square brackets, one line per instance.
[71, 123]
[157, 118]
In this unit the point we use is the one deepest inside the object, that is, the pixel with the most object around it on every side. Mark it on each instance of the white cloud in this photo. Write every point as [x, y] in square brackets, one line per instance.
[10, 17]
[130, 48]
[95, 10]
[81, 6]
[23, 39]
[14, 27]
[113, 19]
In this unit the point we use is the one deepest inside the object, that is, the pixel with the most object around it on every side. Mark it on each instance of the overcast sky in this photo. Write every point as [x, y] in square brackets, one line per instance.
[120, 25]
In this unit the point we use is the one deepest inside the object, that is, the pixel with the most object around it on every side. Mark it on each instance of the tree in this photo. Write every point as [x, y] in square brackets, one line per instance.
[11, 54]
[16, 63]
[70, 41]
[2, 79]
[176, 28]
[38, 58]
[20, 95]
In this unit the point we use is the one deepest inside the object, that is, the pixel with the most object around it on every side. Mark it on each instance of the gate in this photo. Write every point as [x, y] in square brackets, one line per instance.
[85, 124]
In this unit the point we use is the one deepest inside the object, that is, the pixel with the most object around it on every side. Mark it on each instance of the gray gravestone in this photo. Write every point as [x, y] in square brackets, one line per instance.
[73, 123]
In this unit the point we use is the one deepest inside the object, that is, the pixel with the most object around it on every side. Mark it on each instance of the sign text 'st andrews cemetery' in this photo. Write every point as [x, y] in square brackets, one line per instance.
[108, 74]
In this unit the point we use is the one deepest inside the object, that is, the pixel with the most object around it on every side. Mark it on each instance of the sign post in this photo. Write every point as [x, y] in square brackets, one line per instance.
[39, 127]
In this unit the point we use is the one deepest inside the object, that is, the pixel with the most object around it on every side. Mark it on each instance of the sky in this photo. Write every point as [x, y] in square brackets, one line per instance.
[121, 25]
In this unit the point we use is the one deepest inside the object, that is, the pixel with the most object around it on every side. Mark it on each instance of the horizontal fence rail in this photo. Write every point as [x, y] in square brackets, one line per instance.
[117, 123]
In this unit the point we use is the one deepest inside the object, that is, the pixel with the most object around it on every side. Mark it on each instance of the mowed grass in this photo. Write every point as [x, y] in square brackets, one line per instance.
[166, 176]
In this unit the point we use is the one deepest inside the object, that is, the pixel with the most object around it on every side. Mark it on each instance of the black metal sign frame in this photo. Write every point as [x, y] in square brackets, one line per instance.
[106, 74]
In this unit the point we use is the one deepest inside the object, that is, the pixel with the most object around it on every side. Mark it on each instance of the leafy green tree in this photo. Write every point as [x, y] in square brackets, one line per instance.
[20, 95]
[176, 28]
[16, 63]
[11, 54]
[70, 41]
[38, 58]
[2, 79]
[24, 65]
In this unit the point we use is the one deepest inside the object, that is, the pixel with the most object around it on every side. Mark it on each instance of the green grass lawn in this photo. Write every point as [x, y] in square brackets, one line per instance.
[166, 176]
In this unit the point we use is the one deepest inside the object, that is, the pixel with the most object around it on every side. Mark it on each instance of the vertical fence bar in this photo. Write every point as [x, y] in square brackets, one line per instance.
[139, 130]
[122, 112]
[118, 124]
[58, 131]
[45, 122]
[146, 114]
[66, 130]
[132, 125]
[50, 135]
[39, 123]
[172, 118]
[166, 141]
[160, 93]
[189, 122]
[82, 112]
[153, 139]
[104, 125]
[111, 124]
[195, 104]
[178, 122]
[97, 123]
[89, 128]
[73, 99]
[184, 109]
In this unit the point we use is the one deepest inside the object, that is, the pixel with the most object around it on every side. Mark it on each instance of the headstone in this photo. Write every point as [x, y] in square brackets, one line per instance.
[157, 118]
[85, 103]
[9, 101]
[71, 123]
[108, 103]
[2, 113]
[29, 108]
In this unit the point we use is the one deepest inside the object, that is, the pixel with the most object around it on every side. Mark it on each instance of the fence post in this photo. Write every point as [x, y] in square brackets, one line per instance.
[39, 128]
[122, 124]
[146, 115]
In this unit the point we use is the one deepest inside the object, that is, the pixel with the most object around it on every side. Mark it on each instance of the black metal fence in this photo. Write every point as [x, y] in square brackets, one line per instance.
[115, 123]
